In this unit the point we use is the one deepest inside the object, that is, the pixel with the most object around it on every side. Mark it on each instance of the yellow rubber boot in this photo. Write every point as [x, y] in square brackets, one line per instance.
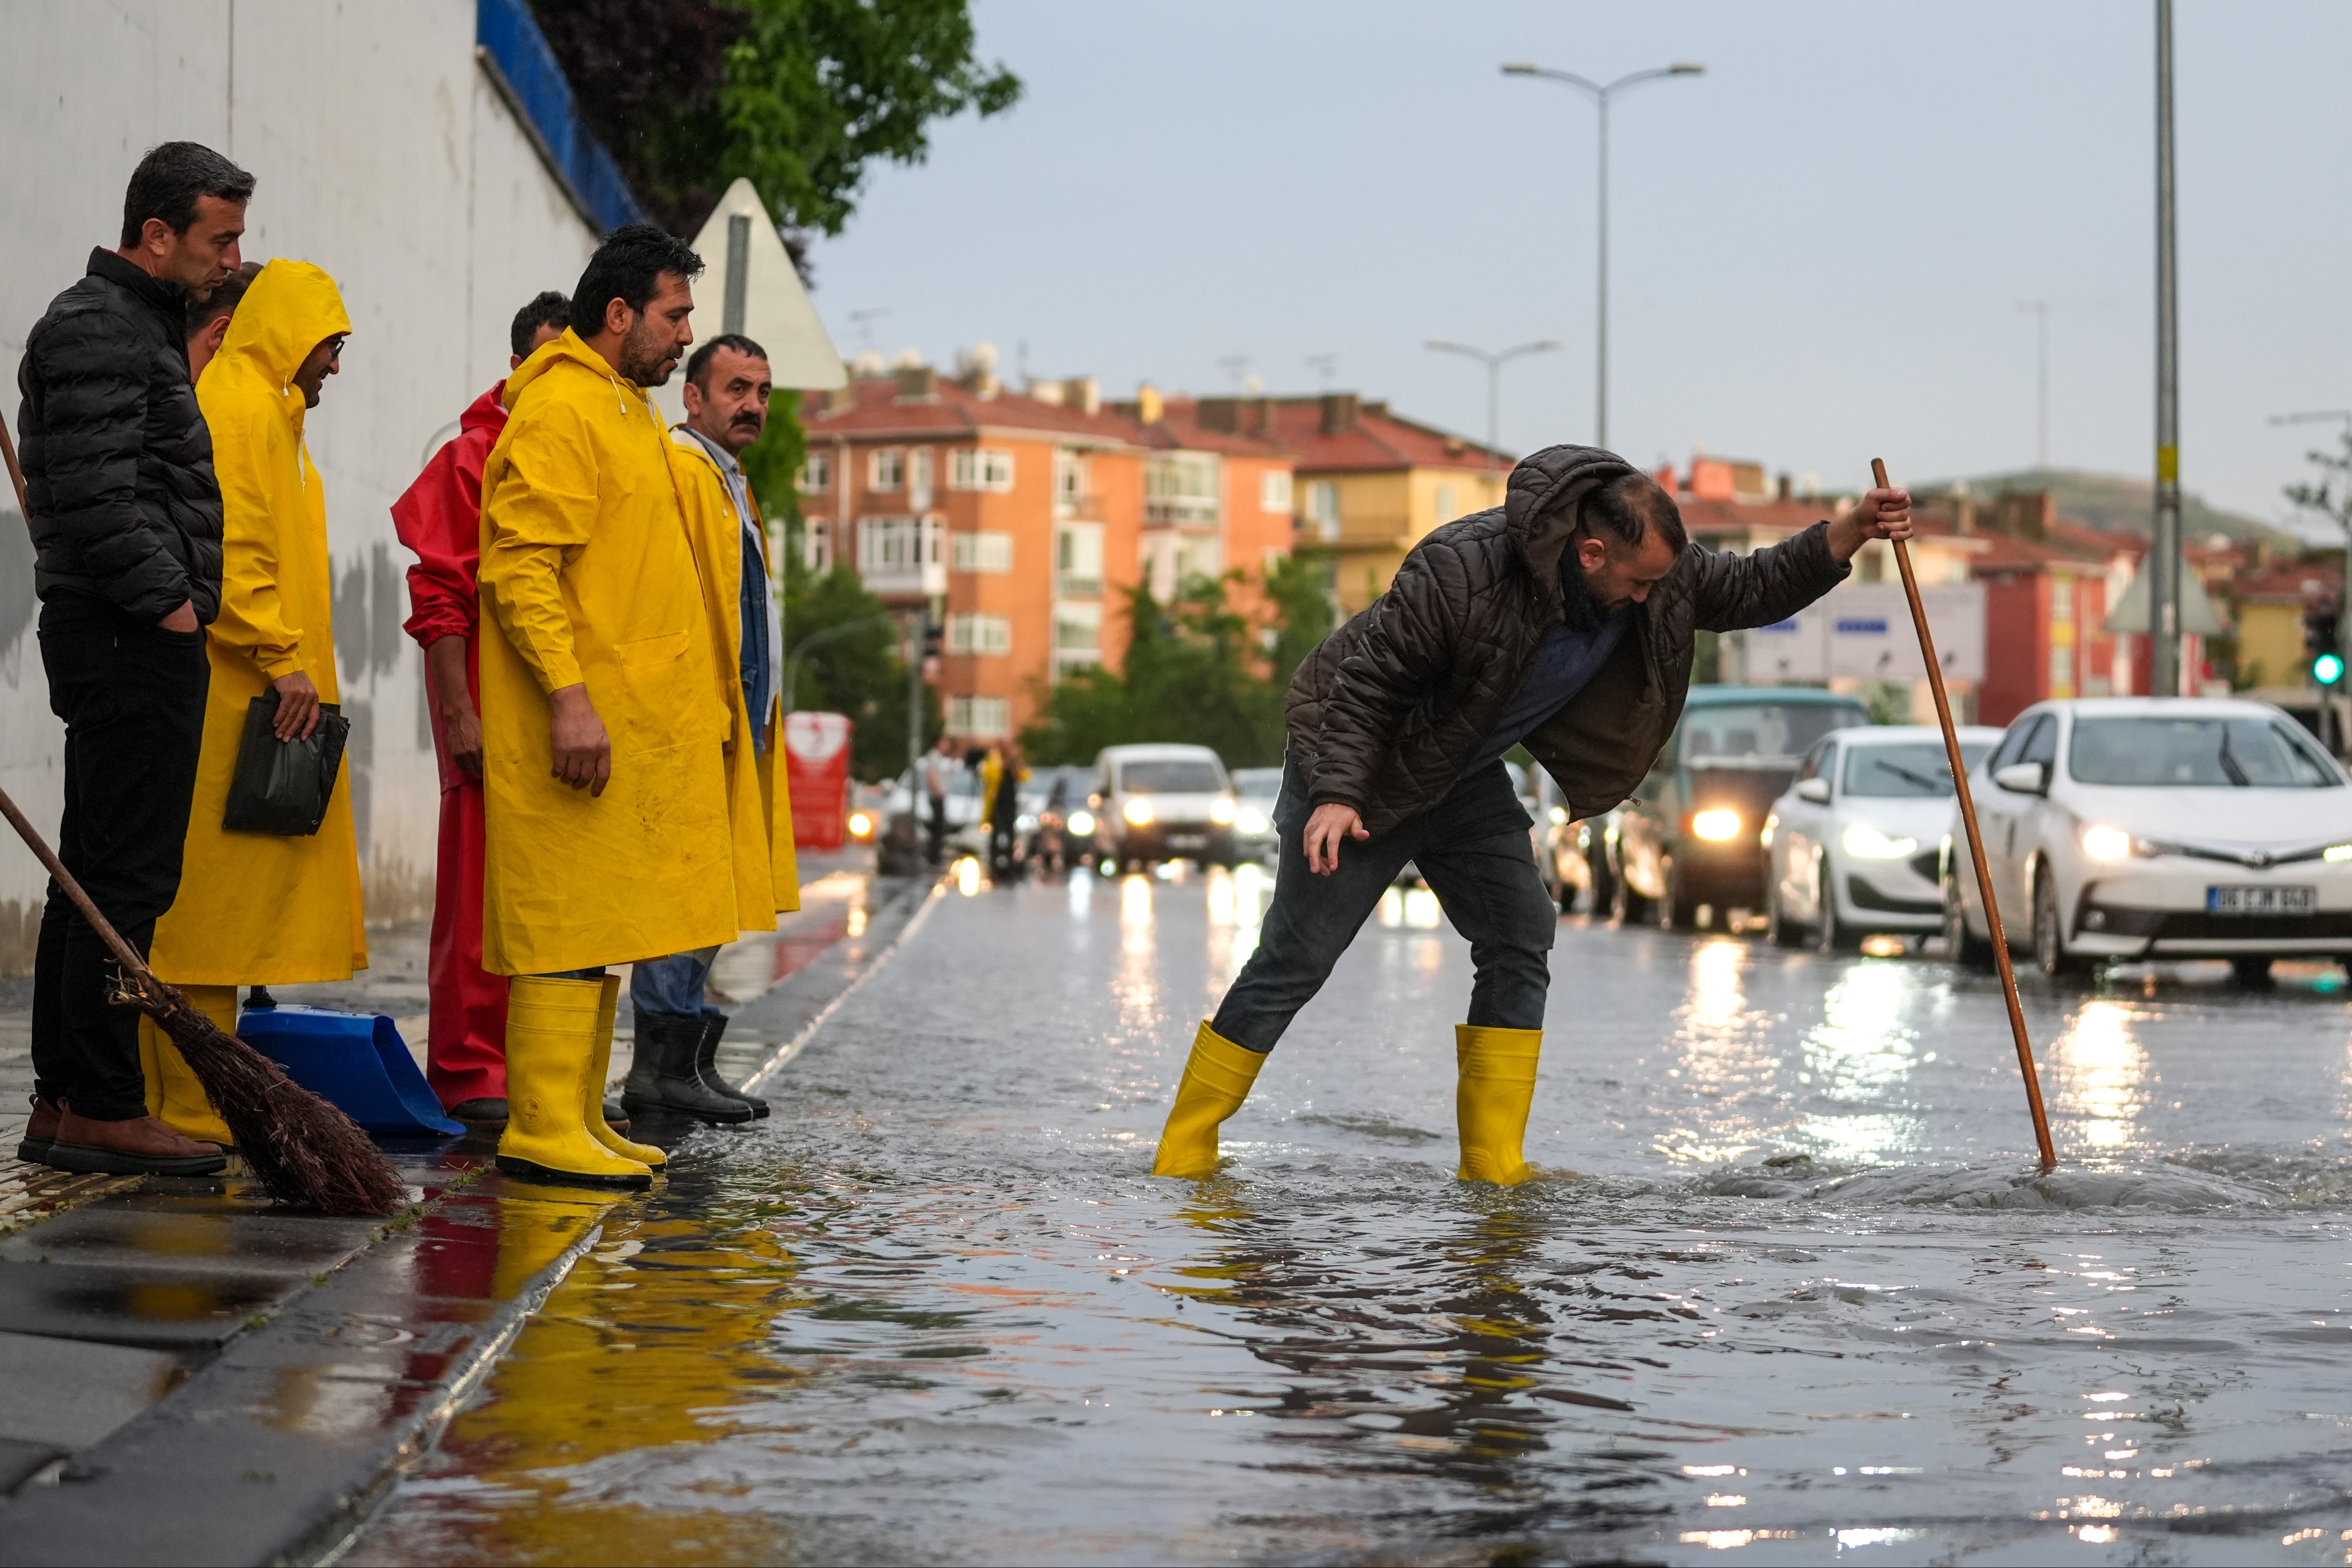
[1497, 1086]
[1216, 1080]
[608, 1008]
[175, 1096]
[551, 1059]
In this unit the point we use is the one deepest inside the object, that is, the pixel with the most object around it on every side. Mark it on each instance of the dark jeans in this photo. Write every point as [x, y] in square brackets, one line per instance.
[939, 827]
[132, 699]
[1472, 849]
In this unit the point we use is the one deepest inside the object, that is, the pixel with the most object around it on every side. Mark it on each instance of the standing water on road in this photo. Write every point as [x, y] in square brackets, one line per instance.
[1790, 1291]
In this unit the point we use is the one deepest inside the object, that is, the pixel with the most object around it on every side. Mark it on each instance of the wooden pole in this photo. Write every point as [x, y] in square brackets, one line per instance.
[16, 474]
[1976, 844]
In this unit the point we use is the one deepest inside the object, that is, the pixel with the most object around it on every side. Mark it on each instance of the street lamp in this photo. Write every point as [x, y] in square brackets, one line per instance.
[1600, 96]
[1494, 363]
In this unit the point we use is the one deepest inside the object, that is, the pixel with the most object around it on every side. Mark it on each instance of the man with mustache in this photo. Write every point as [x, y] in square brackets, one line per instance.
[1564, 620]
[675, 1067]
[603, 723]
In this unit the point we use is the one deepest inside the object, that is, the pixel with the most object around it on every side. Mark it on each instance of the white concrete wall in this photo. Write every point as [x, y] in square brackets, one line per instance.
[384, 155]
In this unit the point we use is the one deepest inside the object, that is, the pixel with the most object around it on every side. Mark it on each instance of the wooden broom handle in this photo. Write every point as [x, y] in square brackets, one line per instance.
[1976, 842]
[16, 474]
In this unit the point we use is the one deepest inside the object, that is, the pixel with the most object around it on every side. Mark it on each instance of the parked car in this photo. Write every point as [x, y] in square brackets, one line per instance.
[1055, 819]
[967, 824]
[1856, 845]
[1255, 790]
[1161, 803]
[1692, 832]
[2132, 827]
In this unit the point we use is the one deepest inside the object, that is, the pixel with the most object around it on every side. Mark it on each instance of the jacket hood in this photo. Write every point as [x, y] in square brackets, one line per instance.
[1545, 499]
[291, 309]
[488, 412]
[570, 350]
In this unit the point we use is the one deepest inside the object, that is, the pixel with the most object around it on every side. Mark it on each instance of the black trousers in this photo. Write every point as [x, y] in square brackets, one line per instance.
[132, 699]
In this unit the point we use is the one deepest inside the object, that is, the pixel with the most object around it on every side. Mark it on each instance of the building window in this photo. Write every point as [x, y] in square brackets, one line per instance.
[886, 471]
[1273, 492]
[981, 718]
[816, 474]
[980, 634]
[919, 496]
[1078, 560]
[981, 552]
[2062, 670]
[2062, 599]
[1323, 507]
[1445, 503]
[817, 548]
[1078, 628]
[1181, 487]
[1069, 480]
[979, 468]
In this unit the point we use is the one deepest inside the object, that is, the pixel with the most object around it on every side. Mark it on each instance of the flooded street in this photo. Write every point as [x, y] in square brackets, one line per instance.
[1791, 1291]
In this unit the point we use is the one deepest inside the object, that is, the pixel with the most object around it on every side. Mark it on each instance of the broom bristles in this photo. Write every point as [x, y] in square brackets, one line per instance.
[301, 1149]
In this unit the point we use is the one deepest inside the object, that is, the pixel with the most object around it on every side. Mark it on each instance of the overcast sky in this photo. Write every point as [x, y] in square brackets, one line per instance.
[1818, 246]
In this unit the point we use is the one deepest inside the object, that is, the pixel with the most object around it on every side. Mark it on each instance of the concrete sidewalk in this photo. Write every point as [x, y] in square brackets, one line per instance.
[188, 1373]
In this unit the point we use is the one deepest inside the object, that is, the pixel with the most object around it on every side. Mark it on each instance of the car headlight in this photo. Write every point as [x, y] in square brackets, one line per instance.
[860, 824]
[2104, 843]
[1764, 834]
[1082, 823]
[1717, 824]
[1863, 840]
[1137, 812]
[2336, 852]
[1221, 811]
[1559, 817]
[1253, 821]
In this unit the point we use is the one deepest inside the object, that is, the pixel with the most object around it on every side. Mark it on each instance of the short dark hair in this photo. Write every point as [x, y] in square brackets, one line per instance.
[547, 309]
[222, 300]
[169, 181]
[696, 366]
[628, 267]
[1629, 508]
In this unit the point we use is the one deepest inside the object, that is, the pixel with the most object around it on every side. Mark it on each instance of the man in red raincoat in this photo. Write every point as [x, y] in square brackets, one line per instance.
[439, 518]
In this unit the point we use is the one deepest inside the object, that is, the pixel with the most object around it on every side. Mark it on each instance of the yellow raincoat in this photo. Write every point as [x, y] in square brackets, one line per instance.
[759, 796]
[266, 909]
[586, 577]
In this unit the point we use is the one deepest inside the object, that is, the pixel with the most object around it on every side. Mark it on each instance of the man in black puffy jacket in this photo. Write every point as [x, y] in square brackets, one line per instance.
[1565, 621]
[126, 524]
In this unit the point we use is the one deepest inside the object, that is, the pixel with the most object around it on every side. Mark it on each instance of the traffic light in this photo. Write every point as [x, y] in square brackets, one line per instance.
[934, 635]
[2320, 644]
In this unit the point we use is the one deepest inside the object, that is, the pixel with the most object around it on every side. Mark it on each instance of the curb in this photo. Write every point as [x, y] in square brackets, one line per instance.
[281, 1449]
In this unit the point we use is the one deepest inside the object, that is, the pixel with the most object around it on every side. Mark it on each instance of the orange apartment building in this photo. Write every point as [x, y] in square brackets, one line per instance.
[1218, 492]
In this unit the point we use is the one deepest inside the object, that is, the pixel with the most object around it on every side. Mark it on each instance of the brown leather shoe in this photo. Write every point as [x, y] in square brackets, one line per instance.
[138, 1146]
[40, 1131]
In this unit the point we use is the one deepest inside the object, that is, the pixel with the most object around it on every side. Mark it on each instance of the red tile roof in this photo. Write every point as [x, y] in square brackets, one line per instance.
[2293, 582]
[1179, 426]
[875, 408]
[1375, 440]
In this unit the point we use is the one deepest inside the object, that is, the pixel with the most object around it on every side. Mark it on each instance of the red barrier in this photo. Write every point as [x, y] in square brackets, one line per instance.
[816, 759]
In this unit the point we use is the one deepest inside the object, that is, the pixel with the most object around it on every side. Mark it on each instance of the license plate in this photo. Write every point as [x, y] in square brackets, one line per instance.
[2262, 900]
[1187, 841]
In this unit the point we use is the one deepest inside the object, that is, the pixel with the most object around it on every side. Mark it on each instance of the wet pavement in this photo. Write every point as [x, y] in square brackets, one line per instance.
[1792, 1292]
[188, 1372]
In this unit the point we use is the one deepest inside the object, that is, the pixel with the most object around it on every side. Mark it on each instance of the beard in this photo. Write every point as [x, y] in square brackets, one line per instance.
[1578, 607]
[644, 359]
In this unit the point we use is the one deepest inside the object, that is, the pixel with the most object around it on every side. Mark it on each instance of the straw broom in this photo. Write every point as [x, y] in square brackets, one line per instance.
[302, 1150]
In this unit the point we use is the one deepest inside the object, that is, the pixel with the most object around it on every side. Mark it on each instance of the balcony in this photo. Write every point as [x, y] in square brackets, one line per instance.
[1181, 511]
[1077, 506]
[903, 557]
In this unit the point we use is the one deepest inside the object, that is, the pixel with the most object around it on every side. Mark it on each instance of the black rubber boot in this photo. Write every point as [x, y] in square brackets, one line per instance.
[706, 1065]
[661, 1074]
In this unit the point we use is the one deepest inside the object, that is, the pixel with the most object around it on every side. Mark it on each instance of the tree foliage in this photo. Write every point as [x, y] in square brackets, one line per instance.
[802, 96]
[1197, 670]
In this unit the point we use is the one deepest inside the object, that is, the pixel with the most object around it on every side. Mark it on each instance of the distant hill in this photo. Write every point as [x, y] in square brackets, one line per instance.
[2123, 505]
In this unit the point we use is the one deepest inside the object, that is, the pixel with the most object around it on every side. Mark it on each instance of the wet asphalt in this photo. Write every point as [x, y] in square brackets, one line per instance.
[1792, 1290]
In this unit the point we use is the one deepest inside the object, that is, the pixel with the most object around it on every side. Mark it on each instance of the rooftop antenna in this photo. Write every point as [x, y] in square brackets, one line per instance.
[864, 322]
[1235, 366]
[1323, 365]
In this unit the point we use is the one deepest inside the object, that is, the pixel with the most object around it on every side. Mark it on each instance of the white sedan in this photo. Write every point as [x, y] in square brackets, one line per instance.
[1854, 845]
[2135, 828]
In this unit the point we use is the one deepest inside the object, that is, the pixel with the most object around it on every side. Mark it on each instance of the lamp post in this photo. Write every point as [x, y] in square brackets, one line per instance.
[2164, 555]
[1600, 96]
[1494, 363]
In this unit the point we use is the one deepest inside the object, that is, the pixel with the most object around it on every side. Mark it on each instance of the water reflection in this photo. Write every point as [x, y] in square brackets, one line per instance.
[1138, 982]
[1235, 901]
[2101, 1072]
[1723, 1043]
[1860, 1058]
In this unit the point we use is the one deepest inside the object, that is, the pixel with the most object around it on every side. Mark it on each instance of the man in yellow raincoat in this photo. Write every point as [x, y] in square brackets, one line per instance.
[602, 728]
[262, 909]
[676, 1067]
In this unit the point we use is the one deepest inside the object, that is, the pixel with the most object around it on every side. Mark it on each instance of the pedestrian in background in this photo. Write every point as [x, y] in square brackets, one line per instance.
[938, 778]
[1001, 777]
[676, 1065]
[604, 780]
[264, 908]
[208, 318]
[126, 526]
[439, 517]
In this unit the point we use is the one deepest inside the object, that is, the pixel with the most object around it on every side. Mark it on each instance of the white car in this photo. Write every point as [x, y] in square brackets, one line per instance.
[2136, 828]
[1161, 803]
[1854, 845]
[1255, 793]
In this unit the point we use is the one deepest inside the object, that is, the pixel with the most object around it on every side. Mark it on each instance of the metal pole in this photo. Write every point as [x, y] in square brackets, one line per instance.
[914, 629]
[1494, 415]
[1600, 333]
[2164, 560]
